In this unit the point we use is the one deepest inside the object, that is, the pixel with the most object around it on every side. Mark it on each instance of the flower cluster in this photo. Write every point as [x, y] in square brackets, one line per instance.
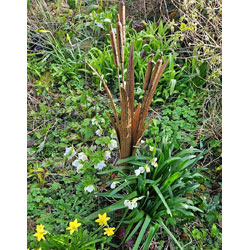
[133, 203]
[40, 232]
[141, 170]
[102, 221]
[78, 162]
[154, 162]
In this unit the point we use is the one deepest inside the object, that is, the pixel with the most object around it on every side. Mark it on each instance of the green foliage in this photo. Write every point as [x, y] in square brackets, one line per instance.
[63, 100]
[161, 193]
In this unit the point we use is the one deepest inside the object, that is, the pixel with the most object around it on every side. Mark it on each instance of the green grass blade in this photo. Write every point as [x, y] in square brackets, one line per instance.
[142, 232]
[170, 234]
[152, 231]
[134, 230]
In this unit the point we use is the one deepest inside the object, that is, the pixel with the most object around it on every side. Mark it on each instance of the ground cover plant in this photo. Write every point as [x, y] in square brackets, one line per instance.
[73, 151]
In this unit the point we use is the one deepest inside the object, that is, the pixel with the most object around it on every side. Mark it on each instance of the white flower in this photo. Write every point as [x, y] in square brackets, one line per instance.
[102, 120]
[139, 171]
[132, 204]
[138, 91]
[142, 141]
[146, 167]
[154, 162]
[77, 163]
[113, 184]
[98, 132]
[67, 152]
[151, 148]
[112, 144]
[82, 157]
[107, 155]
[89, 188]
[126, 203]
[94, 121]
[142, 169]
[100, 165]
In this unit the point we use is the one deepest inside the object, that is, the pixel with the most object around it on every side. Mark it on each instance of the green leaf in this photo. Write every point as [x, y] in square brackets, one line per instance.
[170, 234]
[169, 181]
[172, 86]
[134, 230]
[152, 231]
[142, 232]
[157, 190]
[113, 207]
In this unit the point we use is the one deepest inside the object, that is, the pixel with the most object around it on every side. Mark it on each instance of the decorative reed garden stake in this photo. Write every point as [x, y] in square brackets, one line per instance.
[130, 127]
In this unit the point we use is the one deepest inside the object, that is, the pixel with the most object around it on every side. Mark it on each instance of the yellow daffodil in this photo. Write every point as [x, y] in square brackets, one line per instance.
[40, 228]
[102, 220]
[109, 231]
[73, 225]
[40, 235]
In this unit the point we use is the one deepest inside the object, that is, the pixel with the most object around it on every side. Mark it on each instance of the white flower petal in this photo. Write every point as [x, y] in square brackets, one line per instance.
[107, 155]
[130, 205]
[113, 185]
[112, 144]
[67, 152]
[98, 132]
[100, 165]
[94, 121]
[142, 170]
[137, 172]
[147, 168]
[134, 205]
[82, 157]
[89, 188]
[126, 203]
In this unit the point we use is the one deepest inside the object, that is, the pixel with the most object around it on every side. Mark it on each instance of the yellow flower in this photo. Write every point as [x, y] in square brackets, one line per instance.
[102, 220]
[40, 228]
[40, 235]
[109, 231]
[73, 225]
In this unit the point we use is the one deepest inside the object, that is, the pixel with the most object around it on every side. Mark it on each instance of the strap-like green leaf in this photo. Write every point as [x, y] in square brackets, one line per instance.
[157, 190]
[170, 234]
[142, 232]
[152, 231]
